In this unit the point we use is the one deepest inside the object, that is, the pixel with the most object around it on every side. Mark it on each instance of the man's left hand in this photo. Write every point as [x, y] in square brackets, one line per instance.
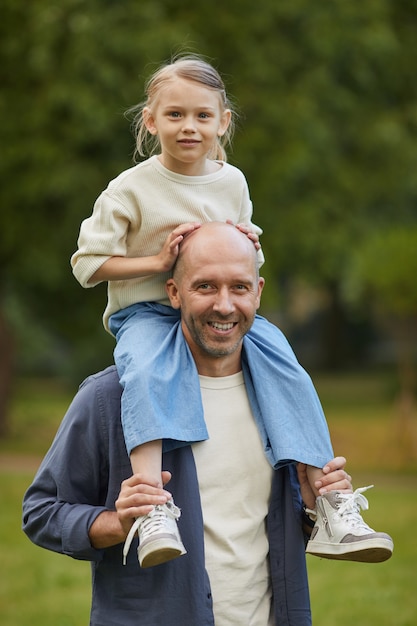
[335, 478]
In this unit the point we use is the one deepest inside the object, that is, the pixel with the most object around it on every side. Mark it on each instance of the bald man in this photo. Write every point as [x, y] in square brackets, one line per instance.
[243, 523]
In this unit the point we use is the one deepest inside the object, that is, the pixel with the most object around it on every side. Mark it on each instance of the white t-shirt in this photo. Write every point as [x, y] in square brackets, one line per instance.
[234, 515]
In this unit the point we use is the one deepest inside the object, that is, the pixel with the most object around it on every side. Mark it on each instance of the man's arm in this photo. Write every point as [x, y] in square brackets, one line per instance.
[71, 488]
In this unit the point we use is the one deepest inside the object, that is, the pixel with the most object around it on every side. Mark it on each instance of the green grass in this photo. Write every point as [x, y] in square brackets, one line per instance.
[40, 588]
[37, 410]
[37, 587]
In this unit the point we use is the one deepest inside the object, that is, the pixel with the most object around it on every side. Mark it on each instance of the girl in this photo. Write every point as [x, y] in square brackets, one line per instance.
[132, 240]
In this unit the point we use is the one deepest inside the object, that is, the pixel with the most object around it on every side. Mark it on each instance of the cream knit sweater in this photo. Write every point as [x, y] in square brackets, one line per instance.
[139, 209]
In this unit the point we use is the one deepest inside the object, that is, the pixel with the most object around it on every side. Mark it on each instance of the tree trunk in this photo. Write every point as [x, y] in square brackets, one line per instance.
[6, 373]
[334, 347]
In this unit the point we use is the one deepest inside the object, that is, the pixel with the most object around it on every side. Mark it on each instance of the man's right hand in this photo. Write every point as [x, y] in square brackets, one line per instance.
[138, 496]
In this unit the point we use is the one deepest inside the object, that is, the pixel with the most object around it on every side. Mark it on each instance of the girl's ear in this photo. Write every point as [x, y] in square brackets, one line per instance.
[224, 122]
[149, 121]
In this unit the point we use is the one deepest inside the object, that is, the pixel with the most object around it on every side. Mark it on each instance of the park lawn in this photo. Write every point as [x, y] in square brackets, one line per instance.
[37, 587]
[40, 588]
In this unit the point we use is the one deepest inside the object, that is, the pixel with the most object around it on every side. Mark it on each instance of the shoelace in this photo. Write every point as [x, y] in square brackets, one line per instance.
[150, 524]
[351, 506]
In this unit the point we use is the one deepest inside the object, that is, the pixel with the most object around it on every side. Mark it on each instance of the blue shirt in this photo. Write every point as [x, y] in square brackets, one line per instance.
[80, 477]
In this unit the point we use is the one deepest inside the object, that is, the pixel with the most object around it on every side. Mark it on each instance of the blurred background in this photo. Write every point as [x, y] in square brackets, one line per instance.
[327, 138]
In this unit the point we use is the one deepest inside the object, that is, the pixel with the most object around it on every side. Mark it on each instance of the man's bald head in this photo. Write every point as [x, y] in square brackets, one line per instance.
[215, 240]
[217, 287]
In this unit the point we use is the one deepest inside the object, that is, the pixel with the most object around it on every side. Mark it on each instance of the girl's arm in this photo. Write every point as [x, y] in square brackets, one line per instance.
[125, 268]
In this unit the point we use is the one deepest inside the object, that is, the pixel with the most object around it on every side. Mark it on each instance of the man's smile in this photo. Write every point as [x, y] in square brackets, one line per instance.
[222, 326]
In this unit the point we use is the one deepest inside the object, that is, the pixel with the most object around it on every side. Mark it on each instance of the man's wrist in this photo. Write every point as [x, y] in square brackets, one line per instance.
[106, 531]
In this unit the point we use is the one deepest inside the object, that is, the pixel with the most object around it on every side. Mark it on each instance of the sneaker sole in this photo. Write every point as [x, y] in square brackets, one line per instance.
[159, 552]
[368, 551]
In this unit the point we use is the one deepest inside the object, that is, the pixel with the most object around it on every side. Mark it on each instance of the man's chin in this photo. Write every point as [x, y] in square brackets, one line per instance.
[221, 348]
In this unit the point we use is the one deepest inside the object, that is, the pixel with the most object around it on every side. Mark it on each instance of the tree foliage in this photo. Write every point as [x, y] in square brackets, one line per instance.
[327, 137]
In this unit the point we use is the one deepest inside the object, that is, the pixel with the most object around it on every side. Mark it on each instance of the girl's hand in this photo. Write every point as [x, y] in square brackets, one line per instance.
[244, 228]
[168, 254]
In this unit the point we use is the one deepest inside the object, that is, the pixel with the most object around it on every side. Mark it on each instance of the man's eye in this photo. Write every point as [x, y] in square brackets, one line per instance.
[204, 287]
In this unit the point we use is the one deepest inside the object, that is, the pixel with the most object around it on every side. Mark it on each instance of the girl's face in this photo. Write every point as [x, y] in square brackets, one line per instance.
[187, 117]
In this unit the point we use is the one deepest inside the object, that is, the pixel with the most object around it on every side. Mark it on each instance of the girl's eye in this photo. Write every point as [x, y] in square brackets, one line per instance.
[175, 114]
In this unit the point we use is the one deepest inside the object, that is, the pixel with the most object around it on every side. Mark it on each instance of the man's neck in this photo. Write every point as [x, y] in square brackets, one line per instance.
[218, 366]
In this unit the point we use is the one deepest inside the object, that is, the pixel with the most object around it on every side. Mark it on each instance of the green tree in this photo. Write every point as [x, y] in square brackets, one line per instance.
[384, 269]
[327, 140]
[68, 71]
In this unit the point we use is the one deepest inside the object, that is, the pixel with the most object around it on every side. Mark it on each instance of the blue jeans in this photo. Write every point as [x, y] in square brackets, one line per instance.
[161, 393]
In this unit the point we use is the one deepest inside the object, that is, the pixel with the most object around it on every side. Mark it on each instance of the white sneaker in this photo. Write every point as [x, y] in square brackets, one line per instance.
[340, 532]
[159, 537]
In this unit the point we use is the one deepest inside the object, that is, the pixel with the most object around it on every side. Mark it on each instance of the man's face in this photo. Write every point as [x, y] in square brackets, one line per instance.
[218, 294]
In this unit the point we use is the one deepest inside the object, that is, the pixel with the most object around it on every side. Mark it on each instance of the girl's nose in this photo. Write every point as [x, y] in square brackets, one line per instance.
[188, 125]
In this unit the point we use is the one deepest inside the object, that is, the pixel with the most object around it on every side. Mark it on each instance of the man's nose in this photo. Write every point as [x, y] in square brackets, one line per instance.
[223, 302]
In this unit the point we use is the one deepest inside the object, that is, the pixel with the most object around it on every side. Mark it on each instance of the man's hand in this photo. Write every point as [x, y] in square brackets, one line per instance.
[137, 497]
[335, 478]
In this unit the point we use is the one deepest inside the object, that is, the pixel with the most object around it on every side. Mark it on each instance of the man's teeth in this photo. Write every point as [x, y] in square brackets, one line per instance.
[219, 326]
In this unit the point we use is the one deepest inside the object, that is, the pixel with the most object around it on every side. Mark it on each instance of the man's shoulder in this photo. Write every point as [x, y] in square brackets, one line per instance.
[107, 378]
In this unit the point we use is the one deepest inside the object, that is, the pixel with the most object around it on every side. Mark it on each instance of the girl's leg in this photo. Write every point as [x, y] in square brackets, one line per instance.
[283, 399]
[339, 531]
[159, 538]
[313, 474]
[159, 409]
[146, 459]
[161, 393]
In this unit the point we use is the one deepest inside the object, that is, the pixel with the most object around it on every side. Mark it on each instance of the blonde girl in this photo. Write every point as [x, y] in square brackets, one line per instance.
[131, 241]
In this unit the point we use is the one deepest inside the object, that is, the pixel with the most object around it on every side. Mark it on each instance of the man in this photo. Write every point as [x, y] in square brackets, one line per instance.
[243, 523]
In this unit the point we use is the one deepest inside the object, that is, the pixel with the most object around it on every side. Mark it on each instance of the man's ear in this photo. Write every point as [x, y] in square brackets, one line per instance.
[173, 295]
[261, 284]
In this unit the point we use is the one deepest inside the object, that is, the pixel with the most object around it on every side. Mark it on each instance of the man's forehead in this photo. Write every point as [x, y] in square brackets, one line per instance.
[210, 270]
[219, 246]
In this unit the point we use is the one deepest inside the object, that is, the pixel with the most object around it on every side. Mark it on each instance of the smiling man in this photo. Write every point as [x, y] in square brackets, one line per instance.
[218, 304]
[243, 523]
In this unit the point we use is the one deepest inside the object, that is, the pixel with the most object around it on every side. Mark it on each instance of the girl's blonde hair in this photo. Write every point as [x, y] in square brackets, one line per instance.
[188, 67]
